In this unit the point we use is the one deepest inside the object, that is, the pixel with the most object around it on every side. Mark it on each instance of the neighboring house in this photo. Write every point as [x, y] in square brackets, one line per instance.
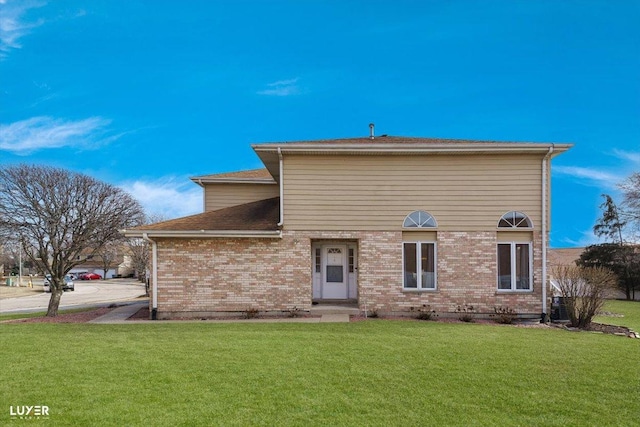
[564, 256]
[392, 224]
[561, 257]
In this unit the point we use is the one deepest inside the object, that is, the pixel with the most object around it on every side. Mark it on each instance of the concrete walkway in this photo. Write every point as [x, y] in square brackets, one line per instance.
[121, 314]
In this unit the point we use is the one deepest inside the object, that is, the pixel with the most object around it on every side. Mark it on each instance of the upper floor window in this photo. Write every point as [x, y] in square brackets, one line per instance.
[419, 219]
[514, 219]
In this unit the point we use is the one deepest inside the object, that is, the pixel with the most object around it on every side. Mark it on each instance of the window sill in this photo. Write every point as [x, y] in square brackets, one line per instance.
[412, 290]
[514, 291]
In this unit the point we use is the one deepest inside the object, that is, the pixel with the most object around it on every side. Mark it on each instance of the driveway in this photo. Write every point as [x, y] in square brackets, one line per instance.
[87, 294]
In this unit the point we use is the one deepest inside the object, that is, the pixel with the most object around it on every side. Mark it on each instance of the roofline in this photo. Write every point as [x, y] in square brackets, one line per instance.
[412, 148]
[201, 181]
[204, 234]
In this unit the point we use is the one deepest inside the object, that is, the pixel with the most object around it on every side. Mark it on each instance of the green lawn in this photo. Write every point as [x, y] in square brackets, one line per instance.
[367, 373]
[629, 309]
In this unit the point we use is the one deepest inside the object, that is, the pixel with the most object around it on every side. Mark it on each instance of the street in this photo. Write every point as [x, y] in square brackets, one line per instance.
[87, 293]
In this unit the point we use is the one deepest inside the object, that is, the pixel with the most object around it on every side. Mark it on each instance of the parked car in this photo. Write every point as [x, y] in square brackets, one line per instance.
[68, 283]
[90, 276]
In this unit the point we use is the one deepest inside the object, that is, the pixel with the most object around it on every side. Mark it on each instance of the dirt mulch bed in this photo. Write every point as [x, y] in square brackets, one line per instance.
[594, 327]
[82, 317]
[144, 314]
[611, 329]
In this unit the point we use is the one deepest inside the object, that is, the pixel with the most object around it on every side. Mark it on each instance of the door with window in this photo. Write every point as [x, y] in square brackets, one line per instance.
[335, 277]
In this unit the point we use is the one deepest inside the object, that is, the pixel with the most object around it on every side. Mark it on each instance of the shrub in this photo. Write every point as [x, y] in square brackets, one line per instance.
[504, 315]
[251, 313]
[294, 312]
[467, 312]
[425, 312]
[584, 290]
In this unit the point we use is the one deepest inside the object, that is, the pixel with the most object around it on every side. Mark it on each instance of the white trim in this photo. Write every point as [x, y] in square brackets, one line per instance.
[419, 226]
[544, 229]
[200, 181]
[199, 234]
[513, 268]
[281, 183]
[515, 227]
[419, 287]
[409, 148]
[154, 270]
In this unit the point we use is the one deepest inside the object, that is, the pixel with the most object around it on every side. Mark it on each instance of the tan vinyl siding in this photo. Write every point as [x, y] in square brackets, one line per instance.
[515, 236]
[462, 192]
[417, 236]
[218, 196]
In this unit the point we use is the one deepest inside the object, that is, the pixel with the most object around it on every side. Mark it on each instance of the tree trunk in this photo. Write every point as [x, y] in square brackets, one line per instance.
[54, 302]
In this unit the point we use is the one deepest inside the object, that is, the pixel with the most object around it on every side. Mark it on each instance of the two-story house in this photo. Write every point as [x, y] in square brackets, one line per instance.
[388, 223]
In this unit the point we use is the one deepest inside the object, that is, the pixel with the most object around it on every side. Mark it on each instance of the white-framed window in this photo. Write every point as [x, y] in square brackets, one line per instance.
[419, 265]
[515, 219]
[419, 219]
[515, 260]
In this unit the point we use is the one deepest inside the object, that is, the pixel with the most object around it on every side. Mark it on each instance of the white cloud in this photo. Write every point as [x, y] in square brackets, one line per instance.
[585, 238]
[36, 133]
[590, 176]
[627, 155]
[12, 25]
[281, 88]
[169, 197]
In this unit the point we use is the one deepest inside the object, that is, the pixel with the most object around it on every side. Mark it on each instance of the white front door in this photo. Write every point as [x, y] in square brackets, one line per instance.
[334, 274]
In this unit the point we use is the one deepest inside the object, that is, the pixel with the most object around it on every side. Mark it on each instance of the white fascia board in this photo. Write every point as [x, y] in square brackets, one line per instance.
[413, 148]
[201, 181]
[203, 234]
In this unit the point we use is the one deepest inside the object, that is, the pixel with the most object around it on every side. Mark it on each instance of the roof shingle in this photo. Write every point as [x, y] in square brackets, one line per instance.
[262, 215]
[262, 173]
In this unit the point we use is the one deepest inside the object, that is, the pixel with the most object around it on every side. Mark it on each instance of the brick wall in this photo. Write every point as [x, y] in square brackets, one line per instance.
[201, 276]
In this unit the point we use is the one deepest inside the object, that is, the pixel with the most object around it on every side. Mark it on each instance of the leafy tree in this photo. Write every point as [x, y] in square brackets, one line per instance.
[621, 259]
[618, 256]
[610, 224]
[57, 215]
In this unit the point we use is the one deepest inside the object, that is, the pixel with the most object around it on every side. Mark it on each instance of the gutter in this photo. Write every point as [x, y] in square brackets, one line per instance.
[281, 182]
[199, 234]
[545, 161]
[154, 276]
[414, 148]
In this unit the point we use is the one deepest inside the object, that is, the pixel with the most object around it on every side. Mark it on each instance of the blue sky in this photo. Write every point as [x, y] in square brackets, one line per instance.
[144, 94]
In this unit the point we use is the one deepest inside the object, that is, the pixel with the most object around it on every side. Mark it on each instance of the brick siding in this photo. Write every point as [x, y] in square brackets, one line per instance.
[199, 277]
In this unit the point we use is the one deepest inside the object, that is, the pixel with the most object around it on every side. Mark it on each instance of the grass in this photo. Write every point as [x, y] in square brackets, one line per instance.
[630, 310]
[366, 373]
[42, 313]
[16, 292]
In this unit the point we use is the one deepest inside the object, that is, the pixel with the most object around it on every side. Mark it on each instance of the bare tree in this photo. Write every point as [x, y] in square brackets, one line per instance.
[57, 215]
[108, 255]
[140, 251]
[584, 290]
[631, 190]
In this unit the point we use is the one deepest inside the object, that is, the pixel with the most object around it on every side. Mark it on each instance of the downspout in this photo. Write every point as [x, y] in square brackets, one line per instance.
[544, 232]
[281, 166]
[154, 278]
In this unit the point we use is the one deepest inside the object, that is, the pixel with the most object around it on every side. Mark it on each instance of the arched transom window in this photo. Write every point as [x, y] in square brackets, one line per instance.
[514, 219]
[419, 219]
